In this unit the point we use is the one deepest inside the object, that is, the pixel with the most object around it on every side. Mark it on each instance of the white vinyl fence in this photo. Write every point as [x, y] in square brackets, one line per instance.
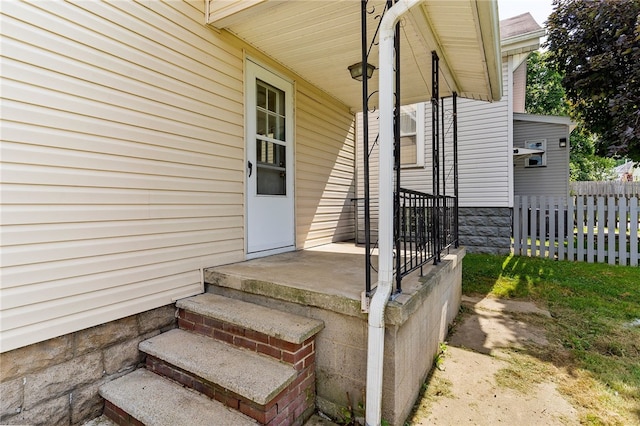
[582, 228]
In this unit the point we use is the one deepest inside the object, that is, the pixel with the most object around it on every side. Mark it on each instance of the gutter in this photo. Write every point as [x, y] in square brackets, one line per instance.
[375, 343]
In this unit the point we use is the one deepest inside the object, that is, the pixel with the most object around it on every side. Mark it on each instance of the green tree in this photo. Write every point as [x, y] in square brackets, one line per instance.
[584, 164]
[545, 94]
[595, 45]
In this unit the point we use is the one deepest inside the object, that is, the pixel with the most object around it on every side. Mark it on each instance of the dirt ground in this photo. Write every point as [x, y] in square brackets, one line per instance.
[485, 377]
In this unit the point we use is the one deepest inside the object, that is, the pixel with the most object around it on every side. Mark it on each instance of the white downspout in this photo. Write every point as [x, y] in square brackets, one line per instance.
[375, 346]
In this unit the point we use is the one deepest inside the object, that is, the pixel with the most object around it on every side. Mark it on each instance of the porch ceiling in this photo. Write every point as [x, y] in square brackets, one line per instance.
[319, 39]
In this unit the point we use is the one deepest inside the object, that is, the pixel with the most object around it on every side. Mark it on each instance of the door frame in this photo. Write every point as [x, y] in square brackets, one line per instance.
[255, 68]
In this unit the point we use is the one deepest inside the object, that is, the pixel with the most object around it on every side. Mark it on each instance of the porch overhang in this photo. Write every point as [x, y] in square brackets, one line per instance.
[318, 40]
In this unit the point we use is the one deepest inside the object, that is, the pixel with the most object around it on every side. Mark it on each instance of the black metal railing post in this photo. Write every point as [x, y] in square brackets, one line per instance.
[396, 150]
[456, 234]
[444, 176]
[435, 139]
[365, 150]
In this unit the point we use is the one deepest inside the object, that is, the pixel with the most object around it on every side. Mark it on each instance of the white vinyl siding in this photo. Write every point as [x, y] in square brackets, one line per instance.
[520, 87]
[483, 151]
[374, 167]
[123, 161]
[551, 179]
[325, 181]
[420, 178]
[483, 172]
[483, 168]
[483, 156]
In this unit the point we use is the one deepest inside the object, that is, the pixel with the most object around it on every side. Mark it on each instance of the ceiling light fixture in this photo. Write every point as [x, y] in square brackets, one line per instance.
[356, 71]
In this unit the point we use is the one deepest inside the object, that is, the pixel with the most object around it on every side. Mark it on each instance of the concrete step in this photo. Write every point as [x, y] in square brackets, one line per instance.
[315, 420]
[142, 397]
[213, 364]
[103, 421]
[253, 359]
[248, 316]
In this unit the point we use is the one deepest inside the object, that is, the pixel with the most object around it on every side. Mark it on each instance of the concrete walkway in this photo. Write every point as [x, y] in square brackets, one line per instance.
[466, 390]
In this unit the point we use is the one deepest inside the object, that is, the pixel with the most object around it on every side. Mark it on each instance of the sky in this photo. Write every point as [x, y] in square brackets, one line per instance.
[539, 9]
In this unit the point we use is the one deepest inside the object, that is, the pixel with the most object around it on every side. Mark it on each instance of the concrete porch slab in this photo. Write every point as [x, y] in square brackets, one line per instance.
[330, 277]
[332, 269]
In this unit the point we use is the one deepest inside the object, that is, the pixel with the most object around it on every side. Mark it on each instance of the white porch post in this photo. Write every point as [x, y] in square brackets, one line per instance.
[375, 347]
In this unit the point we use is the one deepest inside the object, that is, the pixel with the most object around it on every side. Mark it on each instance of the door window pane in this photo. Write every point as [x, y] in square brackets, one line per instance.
[270, 125]
[261, 123]
[270, 111]
[271, 168]
[271, 153]
[271, 181]
[276, 129]
[262, 96]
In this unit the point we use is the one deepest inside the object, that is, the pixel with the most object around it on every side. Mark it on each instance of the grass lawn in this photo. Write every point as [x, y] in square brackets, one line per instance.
[594, 341]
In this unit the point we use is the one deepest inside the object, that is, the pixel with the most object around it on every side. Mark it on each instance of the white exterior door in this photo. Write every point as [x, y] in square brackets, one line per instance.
[270, 201]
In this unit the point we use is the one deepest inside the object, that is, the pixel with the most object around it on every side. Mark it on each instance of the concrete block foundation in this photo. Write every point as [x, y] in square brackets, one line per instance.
[486, 229]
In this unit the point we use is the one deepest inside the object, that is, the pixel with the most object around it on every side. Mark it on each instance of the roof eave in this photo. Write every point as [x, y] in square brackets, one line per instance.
[243, 18]
[490, 33]
[522, 43]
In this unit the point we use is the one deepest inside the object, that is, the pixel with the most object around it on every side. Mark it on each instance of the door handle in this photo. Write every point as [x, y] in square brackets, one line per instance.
[250, 165]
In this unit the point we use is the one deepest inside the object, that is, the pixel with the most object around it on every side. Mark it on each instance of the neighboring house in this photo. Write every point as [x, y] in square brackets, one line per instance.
[144, 142]
[545, 171]
[625, 172]
[490, 171]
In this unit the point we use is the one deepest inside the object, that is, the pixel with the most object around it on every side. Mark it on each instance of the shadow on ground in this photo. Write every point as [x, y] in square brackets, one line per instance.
[485, 379]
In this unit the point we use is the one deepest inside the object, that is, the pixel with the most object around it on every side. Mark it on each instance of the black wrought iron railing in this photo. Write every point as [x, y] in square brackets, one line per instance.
[449, 234]
[415, 240]
[427, 226]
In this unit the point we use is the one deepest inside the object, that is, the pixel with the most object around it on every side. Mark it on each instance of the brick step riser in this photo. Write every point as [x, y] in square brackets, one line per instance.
[119, 416]
[289, 407]
[299, 355]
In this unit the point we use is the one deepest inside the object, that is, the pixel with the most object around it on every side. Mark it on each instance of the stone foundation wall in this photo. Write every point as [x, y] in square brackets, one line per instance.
[56, 382]
[485, 229]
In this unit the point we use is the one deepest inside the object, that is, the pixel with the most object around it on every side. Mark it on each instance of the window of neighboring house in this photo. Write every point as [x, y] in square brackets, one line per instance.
[412, 135]
[536, 160]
